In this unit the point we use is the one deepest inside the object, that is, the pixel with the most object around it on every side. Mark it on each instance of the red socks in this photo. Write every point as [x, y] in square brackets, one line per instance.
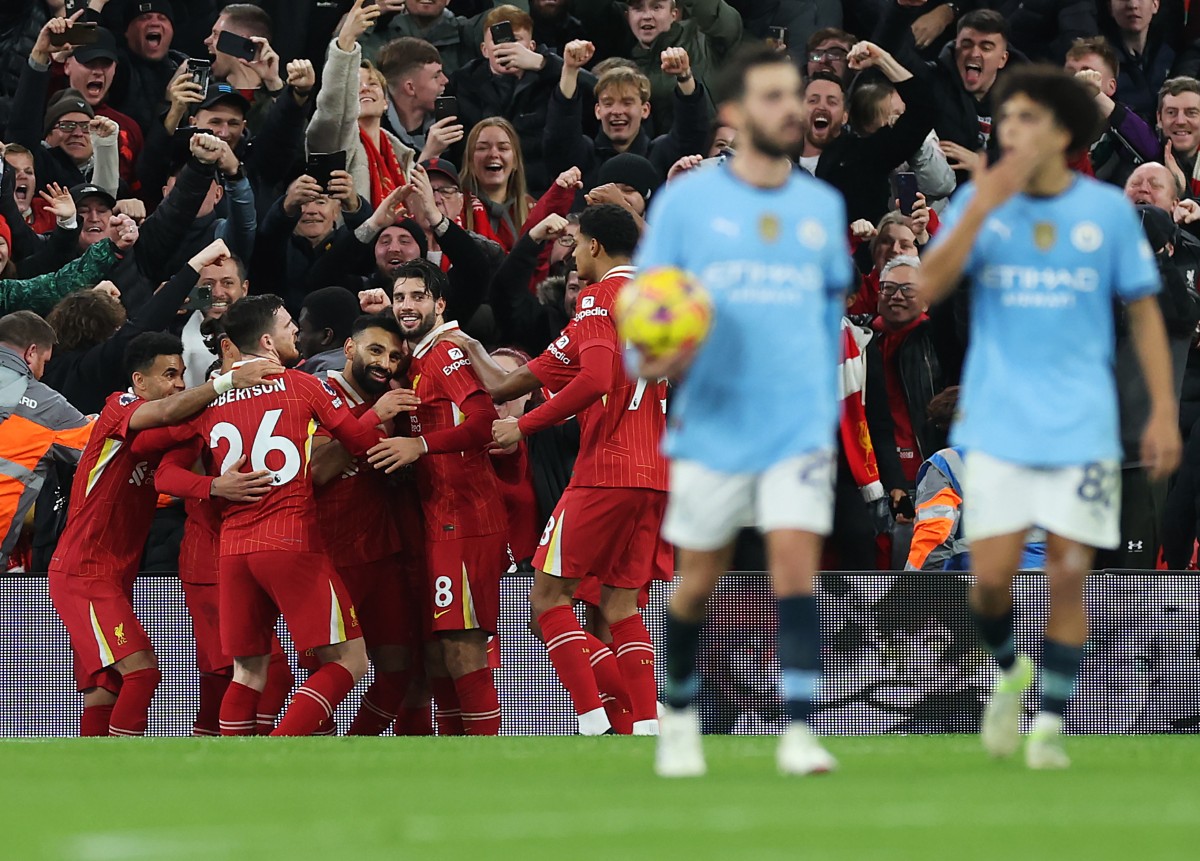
[567, 648]
[132, 710]
[315, 701]
[279, 684]
[95, 720]
[414, 720]
[380, 704]
[613, 693]
[479, 701]
[448, 712]
[238, 708]
[635, 655]
[208, 717]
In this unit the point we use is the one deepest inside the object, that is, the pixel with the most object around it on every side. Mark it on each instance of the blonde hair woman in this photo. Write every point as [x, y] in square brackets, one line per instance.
[495, 174]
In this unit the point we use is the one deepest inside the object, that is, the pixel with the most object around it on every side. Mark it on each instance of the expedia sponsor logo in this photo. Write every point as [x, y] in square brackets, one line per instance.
[591, 312]
[455, 365]
[587, 301]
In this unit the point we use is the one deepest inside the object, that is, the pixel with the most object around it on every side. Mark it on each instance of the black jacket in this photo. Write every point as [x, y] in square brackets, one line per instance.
[87, 377]
[482, 94]
[564, 144]
[860, 167]
[523, 320]
[140, 86]
[921, 378]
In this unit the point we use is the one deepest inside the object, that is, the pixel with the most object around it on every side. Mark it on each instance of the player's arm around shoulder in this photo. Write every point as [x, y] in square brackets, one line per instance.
[178, 408]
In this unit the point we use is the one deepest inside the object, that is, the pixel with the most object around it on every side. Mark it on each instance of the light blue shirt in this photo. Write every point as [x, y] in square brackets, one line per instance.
[1038, 386]
[762, 387]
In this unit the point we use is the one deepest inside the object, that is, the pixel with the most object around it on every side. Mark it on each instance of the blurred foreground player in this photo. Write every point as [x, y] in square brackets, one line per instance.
[1048, 252]
[751, 437]
[113, 501]
[465, 524]
[359, 532]
[270, 561]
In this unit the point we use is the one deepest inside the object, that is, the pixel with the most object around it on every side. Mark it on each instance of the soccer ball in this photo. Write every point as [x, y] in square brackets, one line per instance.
[663, 311]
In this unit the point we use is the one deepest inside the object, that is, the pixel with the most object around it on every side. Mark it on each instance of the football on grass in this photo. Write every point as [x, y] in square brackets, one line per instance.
[663, 311]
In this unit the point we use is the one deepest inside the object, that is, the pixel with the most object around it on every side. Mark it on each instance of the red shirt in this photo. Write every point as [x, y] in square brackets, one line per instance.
[113, 497]
[202, 529]
[273, 425]
[356, 525]
[620, 433]
[460, 496]
[515, 474]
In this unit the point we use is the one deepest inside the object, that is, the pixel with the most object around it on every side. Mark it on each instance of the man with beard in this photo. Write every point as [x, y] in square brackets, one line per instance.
[270, 560]
[761, 453]
[223, 282]
[359, 531]
[465, 522]
[860, 166]
[1179, 121]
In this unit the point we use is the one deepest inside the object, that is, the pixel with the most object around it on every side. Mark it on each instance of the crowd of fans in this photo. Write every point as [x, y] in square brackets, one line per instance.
[329, 143]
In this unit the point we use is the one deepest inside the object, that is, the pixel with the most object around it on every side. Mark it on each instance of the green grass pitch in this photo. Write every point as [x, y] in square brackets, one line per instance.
[576, 799]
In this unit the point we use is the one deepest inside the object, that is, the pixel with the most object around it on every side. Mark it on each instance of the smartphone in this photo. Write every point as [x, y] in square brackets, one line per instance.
[777, 37]
[502, 33]
[200, 299]
[321, 165]
[904, 189]
[80, 33]
[904, 508]
[201, 71]
[445, 106]
[70, 7]
[237, 46]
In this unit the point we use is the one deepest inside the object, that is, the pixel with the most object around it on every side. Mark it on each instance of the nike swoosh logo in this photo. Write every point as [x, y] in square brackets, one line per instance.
[443, 613]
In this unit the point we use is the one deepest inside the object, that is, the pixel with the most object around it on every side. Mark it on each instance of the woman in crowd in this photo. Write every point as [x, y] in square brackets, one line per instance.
[495, 174]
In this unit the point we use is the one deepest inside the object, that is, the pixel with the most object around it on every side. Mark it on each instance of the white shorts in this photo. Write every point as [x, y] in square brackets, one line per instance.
[706, 508]
[1081, 502]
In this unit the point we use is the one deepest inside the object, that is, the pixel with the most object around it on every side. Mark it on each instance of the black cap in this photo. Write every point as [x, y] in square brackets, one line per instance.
[134, 9]
[222, 92]
[87, 189]
[445, 168]
[104, 48]
[1159, 226]
[632, 170]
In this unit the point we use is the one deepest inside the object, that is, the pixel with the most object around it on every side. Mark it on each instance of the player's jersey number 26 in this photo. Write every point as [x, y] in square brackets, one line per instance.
[264, 443]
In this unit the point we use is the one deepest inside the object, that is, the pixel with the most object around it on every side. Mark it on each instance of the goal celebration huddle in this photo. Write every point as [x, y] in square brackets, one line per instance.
[704, 364]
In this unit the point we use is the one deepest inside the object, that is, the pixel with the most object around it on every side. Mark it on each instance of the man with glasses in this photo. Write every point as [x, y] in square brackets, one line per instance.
[827, 51]
[903, 376]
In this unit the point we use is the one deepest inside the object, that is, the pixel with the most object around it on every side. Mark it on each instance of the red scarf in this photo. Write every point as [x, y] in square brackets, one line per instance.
[905, 436]
[384, 167]
[856, 438]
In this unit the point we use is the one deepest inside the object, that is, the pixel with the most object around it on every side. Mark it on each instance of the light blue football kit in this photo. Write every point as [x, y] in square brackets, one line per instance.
[762, 387]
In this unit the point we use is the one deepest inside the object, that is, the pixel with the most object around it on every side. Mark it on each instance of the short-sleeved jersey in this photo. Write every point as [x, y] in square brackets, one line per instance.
[620, 435]
[272, 426]
[356, 526]
[1038, 385]
[763, 385]
[113, 496]
[459, 492]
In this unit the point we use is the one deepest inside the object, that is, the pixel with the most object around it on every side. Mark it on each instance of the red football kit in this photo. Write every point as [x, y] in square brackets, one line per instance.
[92, 571]
[607, 522]
[465, 523]
[271, 560]
[361, 539]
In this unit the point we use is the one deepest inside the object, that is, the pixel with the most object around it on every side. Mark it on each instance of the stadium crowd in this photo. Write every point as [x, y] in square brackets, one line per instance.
[165, 161]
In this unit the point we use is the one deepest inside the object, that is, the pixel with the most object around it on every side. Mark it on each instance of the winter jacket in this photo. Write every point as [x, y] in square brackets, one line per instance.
[564, 144]
[860, 166]
[334, 126]
[41, 293]
[86, 377]
[140, 86]
[41, 427]
[921, 378]
[524, 321]
[1141, 75]
[456, 38]
[708, 31]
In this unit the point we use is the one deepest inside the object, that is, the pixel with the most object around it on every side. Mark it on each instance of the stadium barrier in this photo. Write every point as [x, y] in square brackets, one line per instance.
[899, 652]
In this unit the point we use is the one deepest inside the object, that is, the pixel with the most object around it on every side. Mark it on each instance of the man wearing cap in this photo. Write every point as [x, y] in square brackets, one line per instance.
[90, 70]
[78, 146]
[149, 27]
[627, 180]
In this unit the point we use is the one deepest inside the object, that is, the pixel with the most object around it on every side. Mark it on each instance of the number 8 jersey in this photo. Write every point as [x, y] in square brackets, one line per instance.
[272, 426]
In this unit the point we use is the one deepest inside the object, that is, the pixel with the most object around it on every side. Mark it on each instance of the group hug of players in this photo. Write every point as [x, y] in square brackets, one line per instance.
[363, 507]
